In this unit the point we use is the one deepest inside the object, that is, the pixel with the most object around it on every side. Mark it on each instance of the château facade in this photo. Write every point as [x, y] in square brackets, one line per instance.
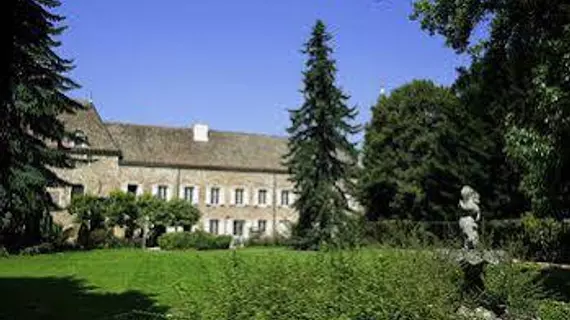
[236, 180]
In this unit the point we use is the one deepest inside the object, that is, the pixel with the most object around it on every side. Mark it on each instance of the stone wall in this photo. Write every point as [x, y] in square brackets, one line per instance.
[105, 174]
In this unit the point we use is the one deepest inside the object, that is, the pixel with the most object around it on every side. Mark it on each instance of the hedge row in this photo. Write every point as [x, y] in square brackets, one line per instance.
[198, 240]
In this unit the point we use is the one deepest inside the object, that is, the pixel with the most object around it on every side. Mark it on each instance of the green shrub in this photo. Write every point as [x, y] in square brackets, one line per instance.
[334, 285]
[3, 252]
[88, 210]
[543, 237]
[198, 240]
[268, 241]
[554, 310]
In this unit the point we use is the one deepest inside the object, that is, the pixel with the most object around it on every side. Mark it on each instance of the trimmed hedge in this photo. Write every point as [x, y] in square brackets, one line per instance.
[198, 240]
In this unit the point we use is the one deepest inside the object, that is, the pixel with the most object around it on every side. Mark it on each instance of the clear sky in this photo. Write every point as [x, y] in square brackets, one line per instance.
[236, 65]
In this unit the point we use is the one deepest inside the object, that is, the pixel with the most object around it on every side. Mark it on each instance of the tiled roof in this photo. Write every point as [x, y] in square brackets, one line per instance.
[89, 122]
[153, 145]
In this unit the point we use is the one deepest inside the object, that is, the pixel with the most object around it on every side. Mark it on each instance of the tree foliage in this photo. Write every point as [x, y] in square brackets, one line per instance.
[121, 210]
[519, 81]
[413, 155]
[32, 96]
[88, 210]
[321, 156]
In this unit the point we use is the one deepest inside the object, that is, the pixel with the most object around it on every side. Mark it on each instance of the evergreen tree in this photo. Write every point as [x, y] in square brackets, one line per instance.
[32, 97]
[321, 157]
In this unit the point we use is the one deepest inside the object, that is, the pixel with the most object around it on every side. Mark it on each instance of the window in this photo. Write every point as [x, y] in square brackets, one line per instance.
[262, 225]
[214, 223]
[132, 188]
[161, 192]
[238, 197]
[238, 227]
[215, 195]
[77, 190]
[262, 197]
[81, 139]
[189, 193]
[285, 197]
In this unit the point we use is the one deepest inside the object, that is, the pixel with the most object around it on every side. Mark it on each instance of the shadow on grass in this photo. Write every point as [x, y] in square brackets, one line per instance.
[556, 281]
[70, 298]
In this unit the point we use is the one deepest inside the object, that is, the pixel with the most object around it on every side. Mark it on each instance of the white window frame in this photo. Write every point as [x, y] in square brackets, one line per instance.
[217, 226]
[264, 231]
[195, 193]
[289, 198]
[267, 197]
[243, 225]
[155, 188]
[235, 197]
[220, 196]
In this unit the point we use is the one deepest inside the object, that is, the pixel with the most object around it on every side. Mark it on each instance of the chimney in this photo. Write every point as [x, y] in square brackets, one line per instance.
[200, 132]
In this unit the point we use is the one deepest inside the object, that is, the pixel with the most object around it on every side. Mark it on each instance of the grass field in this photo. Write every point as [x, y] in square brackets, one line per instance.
[106, 284]
[103, 283]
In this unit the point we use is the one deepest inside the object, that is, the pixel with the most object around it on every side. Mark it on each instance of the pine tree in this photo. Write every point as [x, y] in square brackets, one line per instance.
[31, 134]
[321, 158]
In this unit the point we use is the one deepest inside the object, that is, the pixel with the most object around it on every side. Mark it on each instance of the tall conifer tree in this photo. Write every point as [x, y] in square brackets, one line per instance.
[32, 97]
[321, 159]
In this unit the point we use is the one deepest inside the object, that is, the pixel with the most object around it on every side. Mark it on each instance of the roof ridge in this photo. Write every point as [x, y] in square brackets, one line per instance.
[154, 126]
[111, 123]
[257, 134]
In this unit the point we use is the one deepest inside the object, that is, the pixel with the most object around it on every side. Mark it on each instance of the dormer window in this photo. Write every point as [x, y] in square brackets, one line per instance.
[81, 139]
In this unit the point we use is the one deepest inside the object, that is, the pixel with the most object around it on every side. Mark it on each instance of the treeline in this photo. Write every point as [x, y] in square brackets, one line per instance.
[502, 127]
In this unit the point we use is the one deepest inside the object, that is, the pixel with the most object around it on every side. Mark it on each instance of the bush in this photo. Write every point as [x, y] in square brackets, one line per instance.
[198, 240]
[4, 253]
[88, 210]
[554, 310]
[268, 241]
[334, 285]
[543, 238]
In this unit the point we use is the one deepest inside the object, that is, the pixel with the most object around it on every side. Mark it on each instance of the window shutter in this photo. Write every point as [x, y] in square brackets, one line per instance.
[269, 198]
[207, 193]
[255, 197]
[232, 196]
[245, 196]
[195, 196]
[154, 190]
[169, 192]
[222, 193]
[278, 196]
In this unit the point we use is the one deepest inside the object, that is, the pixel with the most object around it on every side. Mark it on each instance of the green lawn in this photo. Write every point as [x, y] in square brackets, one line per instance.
[106, 284]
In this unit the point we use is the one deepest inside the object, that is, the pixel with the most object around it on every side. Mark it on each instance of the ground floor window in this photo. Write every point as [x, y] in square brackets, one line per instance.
[214, 225]
[132, 188]
[262, 225]
[238, 227]
[161, 192]
[77, 190]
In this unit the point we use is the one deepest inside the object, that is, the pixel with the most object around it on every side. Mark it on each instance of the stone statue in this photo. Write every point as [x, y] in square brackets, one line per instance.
[470, 204]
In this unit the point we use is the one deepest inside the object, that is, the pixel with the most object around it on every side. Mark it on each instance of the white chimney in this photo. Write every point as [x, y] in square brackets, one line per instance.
[200, 132]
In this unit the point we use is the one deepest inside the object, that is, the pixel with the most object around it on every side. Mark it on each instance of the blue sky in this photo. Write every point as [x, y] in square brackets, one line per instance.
[236, 65]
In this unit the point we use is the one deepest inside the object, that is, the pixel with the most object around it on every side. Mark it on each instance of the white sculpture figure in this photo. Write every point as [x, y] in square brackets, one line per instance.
[468, 224]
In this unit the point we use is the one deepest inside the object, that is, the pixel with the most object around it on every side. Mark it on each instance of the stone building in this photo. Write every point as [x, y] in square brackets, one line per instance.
[236, 180]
